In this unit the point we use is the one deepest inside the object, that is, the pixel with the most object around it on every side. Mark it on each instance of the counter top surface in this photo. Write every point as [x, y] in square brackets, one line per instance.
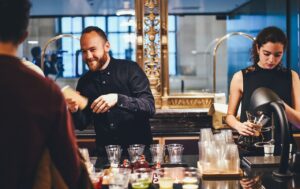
[258, 178]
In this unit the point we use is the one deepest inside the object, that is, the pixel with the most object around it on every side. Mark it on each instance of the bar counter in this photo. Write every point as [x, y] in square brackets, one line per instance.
[253, 178]
[171, 122]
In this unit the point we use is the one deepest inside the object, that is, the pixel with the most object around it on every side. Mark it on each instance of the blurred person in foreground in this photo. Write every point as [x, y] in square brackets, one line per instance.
[34, 118]
[119, 95]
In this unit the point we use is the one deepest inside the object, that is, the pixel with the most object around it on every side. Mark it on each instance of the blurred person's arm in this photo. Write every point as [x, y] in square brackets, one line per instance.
[235, 95]
[62, 141]
[33, 67]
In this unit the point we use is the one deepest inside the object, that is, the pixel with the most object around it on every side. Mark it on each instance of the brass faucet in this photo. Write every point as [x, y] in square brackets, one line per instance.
[55, 38]
[219, 42]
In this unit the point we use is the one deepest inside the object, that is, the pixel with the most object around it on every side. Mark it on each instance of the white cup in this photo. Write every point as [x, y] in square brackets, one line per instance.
[269, 149]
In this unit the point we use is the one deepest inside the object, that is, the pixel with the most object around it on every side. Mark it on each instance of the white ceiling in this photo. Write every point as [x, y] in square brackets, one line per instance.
[109, 7]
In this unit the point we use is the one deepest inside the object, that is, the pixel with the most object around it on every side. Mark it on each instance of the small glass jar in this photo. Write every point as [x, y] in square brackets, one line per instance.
[191, 178]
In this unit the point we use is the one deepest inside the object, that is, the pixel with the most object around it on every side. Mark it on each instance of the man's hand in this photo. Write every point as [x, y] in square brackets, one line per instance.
[104, 103]
[72, 105]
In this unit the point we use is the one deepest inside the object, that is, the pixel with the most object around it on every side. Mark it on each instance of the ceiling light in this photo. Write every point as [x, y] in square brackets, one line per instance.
[126, 10]
[32, 42]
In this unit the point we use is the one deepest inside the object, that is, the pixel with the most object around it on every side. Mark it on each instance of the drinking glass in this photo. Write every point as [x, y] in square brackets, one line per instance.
[165, 179]
[134, 151]
[269, 149]
[175, 152]
[113, 153]
[141, 178]
[232, 160]
[190, 176]
[258, 121]
[119, 178]
[191, 179]
[157, 153]
[209, 156]
[206, 135]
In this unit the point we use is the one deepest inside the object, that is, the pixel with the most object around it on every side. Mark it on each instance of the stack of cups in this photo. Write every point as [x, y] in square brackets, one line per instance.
[217, 153]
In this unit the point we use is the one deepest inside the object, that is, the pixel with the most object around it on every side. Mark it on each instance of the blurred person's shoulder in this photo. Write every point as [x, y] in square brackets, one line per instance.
[35, 82]
[33, 67]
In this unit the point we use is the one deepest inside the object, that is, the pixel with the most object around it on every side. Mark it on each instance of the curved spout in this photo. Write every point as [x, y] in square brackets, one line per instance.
[50, 41]
[216, 48]
[283, 171]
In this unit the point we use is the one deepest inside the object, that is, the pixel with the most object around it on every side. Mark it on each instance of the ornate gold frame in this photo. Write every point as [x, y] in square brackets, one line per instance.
[152, 56]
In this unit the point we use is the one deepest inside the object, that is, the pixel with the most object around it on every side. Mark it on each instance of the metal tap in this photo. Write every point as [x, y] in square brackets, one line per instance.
[219, 42]
[50, 41]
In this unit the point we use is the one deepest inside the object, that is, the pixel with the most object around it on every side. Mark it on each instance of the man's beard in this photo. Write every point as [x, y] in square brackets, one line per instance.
[99, 64]
[103, 59]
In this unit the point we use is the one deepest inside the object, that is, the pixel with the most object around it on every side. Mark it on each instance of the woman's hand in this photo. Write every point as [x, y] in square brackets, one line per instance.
[245, 128]
[251, 183]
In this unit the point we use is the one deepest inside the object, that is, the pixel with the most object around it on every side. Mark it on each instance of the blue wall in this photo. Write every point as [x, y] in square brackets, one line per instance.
[294, 34]
[250, 19]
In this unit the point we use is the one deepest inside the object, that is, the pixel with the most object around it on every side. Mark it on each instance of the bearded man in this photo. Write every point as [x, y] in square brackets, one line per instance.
[120, 101]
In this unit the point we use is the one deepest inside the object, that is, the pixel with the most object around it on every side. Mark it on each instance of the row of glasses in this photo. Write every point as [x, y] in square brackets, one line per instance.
[142, 178]
[136, 150]
[114, 153]
[175, 152]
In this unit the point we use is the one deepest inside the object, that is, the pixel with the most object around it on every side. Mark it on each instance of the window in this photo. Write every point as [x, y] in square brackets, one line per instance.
[172, 45]
[121, 34]
[120, 31]
[69, 46]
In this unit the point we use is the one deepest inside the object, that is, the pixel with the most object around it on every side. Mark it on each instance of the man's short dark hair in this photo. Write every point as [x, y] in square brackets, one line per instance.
[14, 19]
[99, 31]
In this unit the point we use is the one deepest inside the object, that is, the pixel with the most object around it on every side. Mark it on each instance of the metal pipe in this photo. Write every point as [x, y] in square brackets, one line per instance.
[219, 42]
[50, 41]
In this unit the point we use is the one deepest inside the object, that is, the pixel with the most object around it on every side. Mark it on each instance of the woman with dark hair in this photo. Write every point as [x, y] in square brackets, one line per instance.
[267, 71]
